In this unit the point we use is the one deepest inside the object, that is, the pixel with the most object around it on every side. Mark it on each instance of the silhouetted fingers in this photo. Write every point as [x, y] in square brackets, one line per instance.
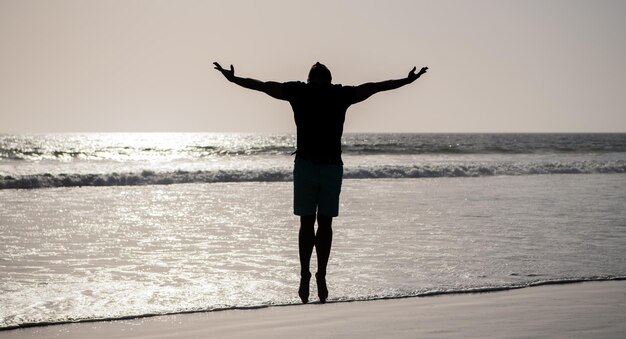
[218, 66]
[232, 69]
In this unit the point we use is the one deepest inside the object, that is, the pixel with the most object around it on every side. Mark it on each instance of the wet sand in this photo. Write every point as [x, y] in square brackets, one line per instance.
[582, 310]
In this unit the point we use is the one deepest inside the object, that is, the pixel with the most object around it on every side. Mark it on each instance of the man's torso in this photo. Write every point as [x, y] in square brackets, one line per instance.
[319, 113]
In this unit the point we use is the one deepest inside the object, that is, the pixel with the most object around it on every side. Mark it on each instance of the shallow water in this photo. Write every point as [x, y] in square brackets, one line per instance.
[108, 252]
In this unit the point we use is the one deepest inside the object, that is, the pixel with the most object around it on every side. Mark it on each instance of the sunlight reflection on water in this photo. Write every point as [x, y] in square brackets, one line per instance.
[104, 252]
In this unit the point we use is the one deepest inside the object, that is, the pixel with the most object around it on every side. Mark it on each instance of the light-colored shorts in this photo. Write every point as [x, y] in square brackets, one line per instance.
[316, 188]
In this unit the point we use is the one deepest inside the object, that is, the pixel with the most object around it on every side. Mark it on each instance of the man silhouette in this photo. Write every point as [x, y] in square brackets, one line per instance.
[319, 109]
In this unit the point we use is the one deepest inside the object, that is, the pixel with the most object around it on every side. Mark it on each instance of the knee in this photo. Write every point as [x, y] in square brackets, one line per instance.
[307, 222]
[324, 222]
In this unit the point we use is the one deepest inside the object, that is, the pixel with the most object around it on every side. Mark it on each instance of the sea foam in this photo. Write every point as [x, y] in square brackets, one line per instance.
[151, 177]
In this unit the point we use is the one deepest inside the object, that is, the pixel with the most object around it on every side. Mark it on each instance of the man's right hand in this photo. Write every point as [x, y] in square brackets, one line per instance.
[228, 74]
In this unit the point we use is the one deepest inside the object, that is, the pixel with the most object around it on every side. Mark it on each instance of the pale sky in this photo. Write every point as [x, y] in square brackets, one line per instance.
[145, 65]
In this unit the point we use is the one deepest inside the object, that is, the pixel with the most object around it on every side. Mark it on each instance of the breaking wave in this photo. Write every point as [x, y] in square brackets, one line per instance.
[150, 177]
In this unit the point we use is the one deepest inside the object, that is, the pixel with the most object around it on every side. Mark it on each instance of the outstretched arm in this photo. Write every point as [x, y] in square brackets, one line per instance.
[365, 91]
[271, 88]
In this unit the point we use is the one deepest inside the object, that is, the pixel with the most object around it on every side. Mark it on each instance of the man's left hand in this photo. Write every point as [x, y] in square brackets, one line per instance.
[413, 76]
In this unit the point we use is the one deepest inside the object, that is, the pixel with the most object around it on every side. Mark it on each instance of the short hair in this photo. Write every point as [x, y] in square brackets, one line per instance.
[321, 72]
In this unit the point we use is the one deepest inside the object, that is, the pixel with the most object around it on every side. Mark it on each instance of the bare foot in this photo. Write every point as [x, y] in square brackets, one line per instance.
[322, 289]
[303, 291]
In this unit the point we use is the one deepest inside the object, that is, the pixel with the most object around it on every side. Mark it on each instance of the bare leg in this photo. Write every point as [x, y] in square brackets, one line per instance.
[306, 242]
[323, 243]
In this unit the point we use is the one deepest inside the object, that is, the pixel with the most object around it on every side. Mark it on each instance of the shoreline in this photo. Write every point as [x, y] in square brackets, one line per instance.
[587, 308]
[477, 290]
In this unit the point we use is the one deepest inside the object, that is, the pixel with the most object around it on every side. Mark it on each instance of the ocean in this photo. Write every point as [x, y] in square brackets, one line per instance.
[121, 225]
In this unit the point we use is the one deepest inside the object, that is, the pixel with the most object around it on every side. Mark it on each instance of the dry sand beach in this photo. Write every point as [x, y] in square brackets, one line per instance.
[582, 310]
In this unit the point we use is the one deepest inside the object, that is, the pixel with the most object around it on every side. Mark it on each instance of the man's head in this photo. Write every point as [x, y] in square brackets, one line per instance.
[319, 75]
